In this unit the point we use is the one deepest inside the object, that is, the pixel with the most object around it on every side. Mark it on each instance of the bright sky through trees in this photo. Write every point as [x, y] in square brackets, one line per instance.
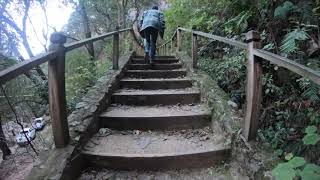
[58, 15]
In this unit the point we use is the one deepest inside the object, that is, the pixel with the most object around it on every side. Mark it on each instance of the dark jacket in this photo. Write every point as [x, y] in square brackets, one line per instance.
[152, 18]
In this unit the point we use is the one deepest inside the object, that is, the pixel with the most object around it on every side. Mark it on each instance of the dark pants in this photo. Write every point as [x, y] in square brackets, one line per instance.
[151, 35]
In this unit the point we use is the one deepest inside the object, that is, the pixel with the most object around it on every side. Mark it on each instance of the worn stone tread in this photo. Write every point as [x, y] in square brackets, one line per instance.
[154, 150]
[176, 73]
[156, 97]
[170, 66]
[156, 61]
[156, 117]
[156, 83]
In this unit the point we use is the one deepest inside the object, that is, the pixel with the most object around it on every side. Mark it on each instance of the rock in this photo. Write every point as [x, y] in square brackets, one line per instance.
[81, 105]
[80, 129]
[77, 138]
[93, 109]
[232, 104]
[105, 132]
[86, 122]
[74, 123]
[136, 132]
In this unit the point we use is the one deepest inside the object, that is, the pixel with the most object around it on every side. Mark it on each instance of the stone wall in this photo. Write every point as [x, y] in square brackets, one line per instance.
[222, 114]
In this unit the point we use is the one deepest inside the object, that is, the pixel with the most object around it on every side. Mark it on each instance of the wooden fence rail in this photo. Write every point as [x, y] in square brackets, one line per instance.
[255, 56]
[56, 76]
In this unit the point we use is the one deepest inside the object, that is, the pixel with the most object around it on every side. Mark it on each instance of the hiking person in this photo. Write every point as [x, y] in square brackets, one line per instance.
[152, 23]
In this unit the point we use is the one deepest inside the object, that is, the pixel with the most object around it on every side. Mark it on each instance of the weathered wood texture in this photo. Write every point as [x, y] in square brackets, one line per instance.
[218, 38]
[178, 39]
[194, 50]
[18, 69]
[289, 64]
[57, 92]
[254, 87]
[115, 52]
[78, 44]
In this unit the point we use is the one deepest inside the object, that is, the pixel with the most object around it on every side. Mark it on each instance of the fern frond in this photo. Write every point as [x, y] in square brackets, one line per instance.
[289, 44]
[312, 93]
[282, 11]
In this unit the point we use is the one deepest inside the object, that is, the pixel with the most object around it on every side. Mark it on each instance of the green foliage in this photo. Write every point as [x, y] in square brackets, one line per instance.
[311, 137]
[310, 172]
[269, 86]
[81, 74]
[314, 116]
[228, 71]
[238, 24]
[283, 11]
[289, 43]
[277, 135]
[310, 90]
[296, 167]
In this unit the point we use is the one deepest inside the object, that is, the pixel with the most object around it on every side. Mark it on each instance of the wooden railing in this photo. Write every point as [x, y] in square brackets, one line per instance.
[56, 76]
[255, 56]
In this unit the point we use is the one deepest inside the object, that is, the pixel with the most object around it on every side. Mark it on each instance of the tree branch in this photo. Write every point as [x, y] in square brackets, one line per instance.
[17, 121]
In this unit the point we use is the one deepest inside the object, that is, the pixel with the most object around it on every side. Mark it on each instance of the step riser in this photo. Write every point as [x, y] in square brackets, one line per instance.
[159, 61]
[157, 57]
[153, 85]
[168, 74]
[155, 123]
[155, 67]
[199, 160]
[159, 99]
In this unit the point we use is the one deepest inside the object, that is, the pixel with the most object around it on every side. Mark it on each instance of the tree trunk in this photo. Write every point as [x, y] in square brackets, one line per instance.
[3, 143]
[86, 27]
[29, 51]
[122, 5]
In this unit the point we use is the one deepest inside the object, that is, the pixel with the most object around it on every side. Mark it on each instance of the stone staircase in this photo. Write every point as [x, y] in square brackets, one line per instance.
[157, 121]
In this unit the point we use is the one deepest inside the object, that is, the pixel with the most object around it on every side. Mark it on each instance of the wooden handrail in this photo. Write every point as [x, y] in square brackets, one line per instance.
[265, 55]
[78, 44]
[171, 39]
[254, 71]
[18, 69]
[289, 64]
[218, 38]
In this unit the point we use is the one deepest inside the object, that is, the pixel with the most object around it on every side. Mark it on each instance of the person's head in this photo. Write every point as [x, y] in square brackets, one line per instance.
[155, 7]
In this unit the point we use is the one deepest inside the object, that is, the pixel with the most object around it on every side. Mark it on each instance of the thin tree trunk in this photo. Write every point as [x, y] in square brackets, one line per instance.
[3, 143]
[86, 27]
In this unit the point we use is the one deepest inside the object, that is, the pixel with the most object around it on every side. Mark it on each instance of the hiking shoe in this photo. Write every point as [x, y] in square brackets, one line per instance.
[152, 62]
[146, 57]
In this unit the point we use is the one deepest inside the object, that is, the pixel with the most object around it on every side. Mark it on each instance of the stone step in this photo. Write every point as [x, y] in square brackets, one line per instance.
[156, 73]
[155, 67]
[156, 97]
[155, 117]
[156, 150]
[153, 84]
[157, 61]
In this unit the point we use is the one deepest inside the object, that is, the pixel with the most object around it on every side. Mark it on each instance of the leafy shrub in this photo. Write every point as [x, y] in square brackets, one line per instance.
[296, 167]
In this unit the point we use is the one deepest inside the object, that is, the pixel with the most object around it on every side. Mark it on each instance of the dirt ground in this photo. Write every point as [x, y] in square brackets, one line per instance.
[22, 160]
[223, 171]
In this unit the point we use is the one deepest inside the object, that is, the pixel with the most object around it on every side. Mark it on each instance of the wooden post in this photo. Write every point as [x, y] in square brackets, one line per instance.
[194, 49]
[115, 52]
[165, 49]
[178, 39]
[254, 87]
[132, 40]
[57, 93]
